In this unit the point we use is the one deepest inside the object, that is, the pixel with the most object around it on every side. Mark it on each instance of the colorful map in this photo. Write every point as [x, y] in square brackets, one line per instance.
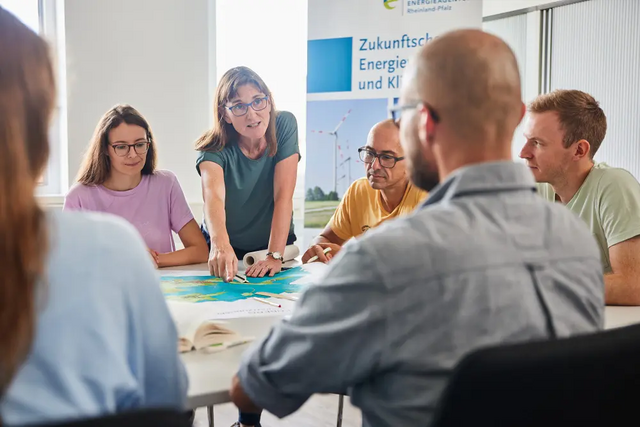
[208, 288]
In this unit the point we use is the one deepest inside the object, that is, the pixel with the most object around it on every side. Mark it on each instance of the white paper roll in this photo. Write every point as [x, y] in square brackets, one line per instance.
[290, 252]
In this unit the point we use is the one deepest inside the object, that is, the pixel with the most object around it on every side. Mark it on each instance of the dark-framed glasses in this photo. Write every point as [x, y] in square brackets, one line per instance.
[396, 111]
[387, 161]
[122, 150]
[241, 109]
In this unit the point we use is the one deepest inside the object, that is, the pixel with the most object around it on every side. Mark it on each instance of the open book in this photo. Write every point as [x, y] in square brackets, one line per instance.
[197, 331]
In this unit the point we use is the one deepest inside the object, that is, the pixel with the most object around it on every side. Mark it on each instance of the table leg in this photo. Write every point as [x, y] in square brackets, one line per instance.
[340, 405]
[210, 415]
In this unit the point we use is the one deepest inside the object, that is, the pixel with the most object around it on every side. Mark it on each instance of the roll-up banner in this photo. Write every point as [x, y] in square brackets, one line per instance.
[357, 52]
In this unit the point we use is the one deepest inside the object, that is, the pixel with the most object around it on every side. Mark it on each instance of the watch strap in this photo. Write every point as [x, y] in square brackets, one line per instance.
[271, 255]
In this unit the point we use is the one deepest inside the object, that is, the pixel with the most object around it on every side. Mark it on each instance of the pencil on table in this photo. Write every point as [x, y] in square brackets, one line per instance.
[315, 258]
[264, 301]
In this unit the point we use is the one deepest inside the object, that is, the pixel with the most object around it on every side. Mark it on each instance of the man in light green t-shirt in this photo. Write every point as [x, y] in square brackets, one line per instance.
[564, 131]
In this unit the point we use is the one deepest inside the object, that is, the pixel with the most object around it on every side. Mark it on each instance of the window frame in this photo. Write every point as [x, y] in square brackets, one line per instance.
[51, 20]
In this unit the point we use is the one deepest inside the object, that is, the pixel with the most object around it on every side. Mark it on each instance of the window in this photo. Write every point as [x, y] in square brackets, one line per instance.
[42, 17]
[25, 10]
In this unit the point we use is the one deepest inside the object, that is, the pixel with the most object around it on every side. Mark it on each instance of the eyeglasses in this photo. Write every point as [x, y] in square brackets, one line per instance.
[241, 109]
[122, 150]
[387, 161]
[396, 111]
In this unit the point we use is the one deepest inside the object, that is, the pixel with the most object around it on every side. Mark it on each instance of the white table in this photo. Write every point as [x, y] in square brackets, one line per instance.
[210, 375]
[616, 317]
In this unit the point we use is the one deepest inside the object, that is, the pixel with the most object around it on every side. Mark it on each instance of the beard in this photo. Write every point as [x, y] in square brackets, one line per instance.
[423, 174]
[424, 178]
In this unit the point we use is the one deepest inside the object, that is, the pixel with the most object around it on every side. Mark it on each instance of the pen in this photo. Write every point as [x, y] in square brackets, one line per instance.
[230, 344]
[264, 301]
[240, 278]
[214, 348]
[315, 258]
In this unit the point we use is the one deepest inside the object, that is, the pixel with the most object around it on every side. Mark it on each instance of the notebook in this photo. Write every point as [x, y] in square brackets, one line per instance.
[196, 331]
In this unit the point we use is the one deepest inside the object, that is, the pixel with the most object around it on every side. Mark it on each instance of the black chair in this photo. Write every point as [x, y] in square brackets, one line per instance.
[148, 417]
[588, 380]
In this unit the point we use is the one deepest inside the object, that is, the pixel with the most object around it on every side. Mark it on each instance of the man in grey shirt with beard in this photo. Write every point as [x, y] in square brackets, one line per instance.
[485, 261]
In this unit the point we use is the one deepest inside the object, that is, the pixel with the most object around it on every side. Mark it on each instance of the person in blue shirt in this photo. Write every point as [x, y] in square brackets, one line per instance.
[84, 328]
[484, 261]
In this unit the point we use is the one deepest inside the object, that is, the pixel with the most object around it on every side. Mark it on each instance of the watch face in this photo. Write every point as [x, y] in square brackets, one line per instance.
[276, 255]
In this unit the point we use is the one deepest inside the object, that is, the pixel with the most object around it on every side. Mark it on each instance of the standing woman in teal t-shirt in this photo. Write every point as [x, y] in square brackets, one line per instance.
[248, 164]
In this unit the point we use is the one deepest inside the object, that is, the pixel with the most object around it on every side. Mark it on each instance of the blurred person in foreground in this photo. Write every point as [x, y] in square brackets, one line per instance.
[84, 328]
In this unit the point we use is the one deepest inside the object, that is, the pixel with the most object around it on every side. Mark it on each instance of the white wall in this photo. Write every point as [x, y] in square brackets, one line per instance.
[522, 33]
[152, 54]
[494, 7]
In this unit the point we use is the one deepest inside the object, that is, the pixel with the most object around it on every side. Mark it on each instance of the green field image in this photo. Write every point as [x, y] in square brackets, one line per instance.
[318, 213]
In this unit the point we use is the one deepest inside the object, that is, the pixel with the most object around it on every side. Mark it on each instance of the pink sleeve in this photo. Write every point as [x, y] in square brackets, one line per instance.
[72, 201]
[180, 213]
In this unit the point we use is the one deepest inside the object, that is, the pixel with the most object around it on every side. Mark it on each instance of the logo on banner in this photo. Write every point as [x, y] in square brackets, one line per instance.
[389, 4]
[429, 6]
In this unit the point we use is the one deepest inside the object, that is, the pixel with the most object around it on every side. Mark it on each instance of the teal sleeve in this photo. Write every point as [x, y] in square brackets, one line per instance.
[287, 135]
[619, 208]
[208, 156]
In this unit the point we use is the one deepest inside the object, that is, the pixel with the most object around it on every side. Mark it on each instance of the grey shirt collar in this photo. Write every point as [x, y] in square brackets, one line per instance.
[490, 177]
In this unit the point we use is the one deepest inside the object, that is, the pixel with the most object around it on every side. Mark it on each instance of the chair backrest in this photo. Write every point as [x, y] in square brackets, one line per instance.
[147, 417]
[588, 380]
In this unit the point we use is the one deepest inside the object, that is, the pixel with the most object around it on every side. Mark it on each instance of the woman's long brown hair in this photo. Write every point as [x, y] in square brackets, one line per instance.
[95, 167]
[216, 138]
[27, 94]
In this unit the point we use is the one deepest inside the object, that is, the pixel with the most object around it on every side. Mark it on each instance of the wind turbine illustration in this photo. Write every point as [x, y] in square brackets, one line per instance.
[334, 133]
[346, 161]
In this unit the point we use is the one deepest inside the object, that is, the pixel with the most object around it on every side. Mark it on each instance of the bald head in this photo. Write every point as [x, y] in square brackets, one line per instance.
[471, 79]
[385, 130]
[460, 105]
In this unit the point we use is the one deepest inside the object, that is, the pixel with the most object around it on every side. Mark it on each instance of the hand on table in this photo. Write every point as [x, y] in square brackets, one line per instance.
[223, 262]
[154, 257]
[268, 265]
[318, 250]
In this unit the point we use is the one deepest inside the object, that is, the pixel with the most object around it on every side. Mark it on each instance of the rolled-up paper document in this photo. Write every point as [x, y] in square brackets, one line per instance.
[290, 252]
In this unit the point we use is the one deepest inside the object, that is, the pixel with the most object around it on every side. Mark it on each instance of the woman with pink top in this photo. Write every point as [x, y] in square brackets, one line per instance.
[119, 176]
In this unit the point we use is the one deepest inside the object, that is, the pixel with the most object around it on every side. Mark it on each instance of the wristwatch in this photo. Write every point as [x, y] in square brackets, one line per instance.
[275, 255]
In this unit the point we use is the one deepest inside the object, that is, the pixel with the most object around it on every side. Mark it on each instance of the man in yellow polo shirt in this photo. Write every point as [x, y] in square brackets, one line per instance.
[385, 193]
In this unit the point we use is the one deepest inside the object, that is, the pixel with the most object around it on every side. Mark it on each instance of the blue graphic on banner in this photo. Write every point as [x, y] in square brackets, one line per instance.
[329, 63]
